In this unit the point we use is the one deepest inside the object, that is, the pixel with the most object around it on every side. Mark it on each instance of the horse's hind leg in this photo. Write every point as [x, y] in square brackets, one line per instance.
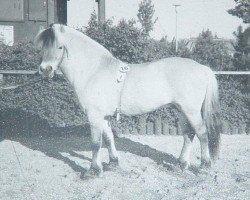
[109, 140]
[188, 135]
[201, 131]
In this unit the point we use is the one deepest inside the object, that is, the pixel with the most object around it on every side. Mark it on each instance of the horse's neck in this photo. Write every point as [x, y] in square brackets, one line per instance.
[84, 58]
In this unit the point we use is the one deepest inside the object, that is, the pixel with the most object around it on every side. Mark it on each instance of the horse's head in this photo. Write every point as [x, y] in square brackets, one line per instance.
[53, 49]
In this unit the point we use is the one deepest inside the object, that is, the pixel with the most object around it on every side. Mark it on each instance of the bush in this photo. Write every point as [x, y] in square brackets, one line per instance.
[22, 56]
[59, 108]
[210, 51]
[234, 103]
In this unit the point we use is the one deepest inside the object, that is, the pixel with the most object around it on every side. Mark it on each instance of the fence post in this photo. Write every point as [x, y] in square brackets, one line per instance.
[158, 126]
[1, 79]
[235, 130]
[179, 127]
[150, 127]
[242, 129]
[165, 127]
[173, 130]
[225, 128]
[1, 82]
[142, 124]
[248, 129]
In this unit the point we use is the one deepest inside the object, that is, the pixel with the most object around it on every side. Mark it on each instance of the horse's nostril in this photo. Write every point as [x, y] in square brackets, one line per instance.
[46, 70]
[49, 68]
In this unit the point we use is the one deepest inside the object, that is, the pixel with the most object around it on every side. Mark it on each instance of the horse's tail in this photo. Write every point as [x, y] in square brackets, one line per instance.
[211, 116]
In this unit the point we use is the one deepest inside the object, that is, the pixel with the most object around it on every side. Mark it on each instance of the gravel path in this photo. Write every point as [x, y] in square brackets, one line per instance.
[50, 168]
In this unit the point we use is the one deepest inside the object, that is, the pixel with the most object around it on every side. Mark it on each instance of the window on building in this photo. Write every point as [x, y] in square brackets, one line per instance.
[11, 10]
[38, 10]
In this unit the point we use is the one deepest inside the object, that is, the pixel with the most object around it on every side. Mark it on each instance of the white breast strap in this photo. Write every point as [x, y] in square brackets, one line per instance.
[121, 76]
[122, 73]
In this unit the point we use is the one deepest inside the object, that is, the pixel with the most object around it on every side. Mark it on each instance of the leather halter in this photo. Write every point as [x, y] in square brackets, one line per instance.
[62, 57]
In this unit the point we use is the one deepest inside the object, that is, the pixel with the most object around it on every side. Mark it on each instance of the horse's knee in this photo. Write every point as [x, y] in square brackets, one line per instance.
[108, 138]
[188, 138]
[201, 132]
[96, 146]
[202, 135]
[109, 141]
[96, 134]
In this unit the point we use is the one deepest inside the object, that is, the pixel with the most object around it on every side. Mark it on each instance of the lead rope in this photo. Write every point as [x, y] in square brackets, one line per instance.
[18, 160]
[21, 168]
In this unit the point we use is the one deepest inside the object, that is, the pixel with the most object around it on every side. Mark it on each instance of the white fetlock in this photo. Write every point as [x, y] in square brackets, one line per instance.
[93, 172]
[184, 165]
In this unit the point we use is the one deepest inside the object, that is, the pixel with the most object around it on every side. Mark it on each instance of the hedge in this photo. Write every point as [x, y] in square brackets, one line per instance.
[55, 101]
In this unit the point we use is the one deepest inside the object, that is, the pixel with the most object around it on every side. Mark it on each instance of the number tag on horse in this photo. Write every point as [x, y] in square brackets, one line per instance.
[122, 73]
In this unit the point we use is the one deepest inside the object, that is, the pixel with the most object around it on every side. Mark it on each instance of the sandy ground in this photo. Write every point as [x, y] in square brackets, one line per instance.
[50, 168]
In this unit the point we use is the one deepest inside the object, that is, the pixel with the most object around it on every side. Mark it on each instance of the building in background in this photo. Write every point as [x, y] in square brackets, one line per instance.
[21, 19]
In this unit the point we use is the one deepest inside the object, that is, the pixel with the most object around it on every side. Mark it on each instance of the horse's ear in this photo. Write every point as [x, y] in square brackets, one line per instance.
[41, 29]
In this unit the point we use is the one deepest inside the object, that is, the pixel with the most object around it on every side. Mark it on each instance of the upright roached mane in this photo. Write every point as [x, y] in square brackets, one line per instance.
[92, 72]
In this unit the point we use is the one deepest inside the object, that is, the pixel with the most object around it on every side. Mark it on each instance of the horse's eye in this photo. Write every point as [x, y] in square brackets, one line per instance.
[60, 47]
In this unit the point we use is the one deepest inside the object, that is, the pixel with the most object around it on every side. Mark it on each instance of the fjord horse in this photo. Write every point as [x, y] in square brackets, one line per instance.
[101, 88]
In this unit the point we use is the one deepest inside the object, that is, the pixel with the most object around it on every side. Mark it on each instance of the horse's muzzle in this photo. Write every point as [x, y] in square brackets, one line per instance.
[46, 71]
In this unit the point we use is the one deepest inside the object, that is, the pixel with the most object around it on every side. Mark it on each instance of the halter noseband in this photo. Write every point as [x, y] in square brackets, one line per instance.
[62, 57]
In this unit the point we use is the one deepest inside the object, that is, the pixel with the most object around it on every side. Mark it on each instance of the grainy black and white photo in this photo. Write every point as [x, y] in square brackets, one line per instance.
[124, 99]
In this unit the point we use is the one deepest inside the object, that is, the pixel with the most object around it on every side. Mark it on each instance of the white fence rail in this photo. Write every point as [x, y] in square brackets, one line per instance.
[233, 72]
[30, 72]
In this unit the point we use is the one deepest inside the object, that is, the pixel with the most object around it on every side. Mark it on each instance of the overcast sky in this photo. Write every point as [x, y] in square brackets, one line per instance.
[193, 15]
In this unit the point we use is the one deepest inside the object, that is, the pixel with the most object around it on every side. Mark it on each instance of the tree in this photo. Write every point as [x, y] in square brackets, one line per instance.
[211, 51]
[145, 16]
[242, 47]
[241, 10]
[183, 50]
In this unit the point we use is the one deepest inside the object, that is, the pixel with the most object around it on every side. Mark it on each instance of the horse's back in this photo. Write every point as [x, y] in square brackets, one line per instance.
[153, 84]
[188, 80]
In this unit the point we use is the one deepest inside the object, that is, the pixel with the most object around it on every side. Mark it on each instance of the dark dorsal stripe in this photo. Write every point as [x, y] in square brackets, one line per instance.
[47, 37]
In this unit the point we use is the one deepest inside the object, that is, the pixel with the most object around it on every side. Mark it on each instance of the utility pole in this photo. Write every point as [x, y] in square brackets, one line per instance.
[101, 11]
[176, 33]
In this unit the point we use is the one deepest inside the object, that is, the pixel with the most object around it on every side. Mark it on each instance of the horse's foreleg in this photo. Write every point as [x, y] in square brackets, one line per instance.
[109, 140]
[96, 137]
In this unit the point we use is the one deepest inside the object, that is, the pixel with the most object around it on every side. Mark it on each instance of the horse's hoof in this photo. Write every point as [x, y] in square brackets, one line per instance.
[206, 164]
[114, 161]
[183, 165]
[112, 165]
[92, 172]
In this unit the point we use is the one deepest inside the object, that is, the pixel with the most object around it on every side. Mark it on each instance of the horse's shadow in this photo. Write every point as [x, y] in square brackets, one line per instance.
[54, 141]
